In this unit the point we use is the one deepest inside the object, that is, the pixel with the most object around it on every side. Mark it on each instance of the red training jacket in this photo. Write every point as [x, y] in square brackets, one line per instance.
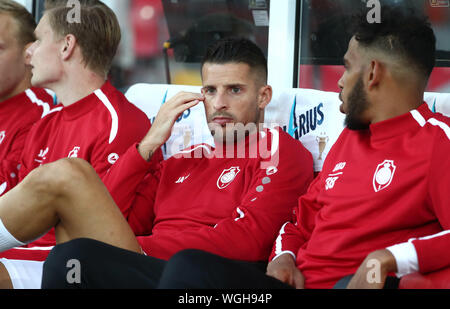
[99, 129]
[228, 205]
[17, 116]
[378, 187]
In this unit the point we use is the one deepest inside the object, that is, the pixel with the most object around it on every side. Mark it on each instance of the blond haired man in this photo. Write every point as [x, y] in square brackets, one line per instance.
[96, 122]
[20, 104]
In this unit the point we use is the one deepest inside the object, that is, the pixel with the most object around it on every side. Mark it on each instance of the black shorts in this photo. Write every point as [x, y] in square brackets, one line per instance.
[89, 264]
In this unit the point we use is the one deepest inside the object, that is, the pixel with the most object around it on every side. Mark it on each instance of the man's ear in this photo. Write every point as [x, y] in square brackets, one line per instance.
[68, 47]
[265, 96]
[375, 74]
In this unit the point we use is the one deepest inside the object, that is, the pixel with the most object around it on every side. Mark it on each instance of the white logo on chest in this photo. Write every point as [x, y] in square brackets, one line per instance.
[42, 155]
[227, 177]
[182, 179]
[2, 136]
[74, 152]
[334, 176]
[112, 158]
[383, 175]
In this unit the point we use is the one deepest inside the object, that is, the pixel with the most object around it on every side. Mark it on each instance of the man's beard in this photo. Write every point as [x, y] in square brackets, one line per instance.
[234, 132]
[357, 105]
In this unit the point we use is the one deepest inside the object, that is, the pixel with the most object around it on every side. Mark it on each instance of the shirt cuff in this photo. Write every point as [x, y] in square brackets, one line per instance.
[405, 255]
[284, 252]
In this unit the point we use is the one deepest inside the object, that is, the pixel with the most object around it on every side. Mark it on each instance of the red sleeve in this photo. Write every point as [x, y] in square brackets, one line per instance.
[133, 182]
[9, 166]
[249, 232]
[132, 128]
[40, 102]
[124, 180]
[293, 235]
[433, 252]
[25, 164]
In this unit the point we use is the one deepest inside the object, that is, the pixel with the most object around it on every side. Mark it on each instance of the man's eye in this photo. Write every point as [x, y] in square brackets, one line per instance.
[235, 90]
[208, 91]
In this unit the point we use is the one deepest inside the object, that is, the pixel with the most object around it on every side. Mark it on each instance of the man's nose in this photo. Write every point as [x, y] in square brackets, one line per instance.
[341, 82]
[220, 101]
[29, 53]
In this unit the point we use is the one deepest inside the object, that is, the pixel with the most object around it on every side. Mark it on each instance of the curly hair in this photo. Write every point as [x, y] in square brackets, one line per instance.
[403, 33]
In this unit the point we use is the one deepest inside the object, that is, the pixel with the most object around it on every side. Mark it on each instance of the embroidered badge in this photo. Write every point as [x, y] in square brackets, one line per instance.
[227, 177]
[383, 175]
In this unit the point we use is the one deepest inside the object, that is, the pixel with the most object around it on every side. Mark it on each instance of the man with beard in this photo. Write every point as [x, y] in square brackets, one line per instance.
[213, 199]
[380, 205]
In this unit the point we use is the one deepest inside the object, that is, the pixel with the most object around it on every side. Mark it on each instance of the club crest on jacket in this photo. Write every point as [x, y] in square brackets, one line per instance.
[227, 177]
[383, 175]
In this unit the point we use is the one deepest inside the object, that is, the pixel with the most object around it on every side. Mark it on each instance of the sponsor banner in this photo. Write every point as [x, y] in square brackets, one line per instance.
[190, 128]
[438, 102]
[310, 116]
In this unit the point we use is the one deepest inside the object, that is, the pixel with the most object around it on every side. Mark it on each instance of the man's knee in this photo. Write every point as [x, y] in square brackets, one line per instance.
[191, 259]
[187, 269]
[5, 279]
[61, 174]
[69, 170]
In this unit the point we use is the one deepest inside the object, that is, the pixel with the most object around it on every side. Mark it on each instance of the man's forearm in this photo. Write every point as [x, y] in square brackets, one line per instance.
[146, 150]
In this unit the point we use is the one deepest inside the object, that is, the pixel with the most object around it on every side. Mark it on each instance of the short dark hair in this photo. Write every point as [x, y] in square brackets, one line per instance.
[237, 50]
[402, 32]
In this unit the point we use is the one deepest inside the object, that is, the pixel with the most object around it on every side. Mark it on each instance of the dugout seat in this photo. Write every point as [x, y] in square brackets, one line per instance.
[311, 116]
[190, 129]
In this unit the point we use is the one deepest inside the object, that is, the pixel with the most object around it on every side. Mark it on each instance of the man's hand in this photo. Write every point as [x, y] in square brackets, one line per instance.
[284, 269]
[373, 271]
[161, 128]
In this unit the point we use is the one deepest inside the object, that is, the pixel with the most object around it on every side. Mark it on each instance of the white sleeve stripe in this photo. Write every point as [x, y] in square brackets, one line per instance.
[278, 242]
[422, 122]
[3, 187]
[283, 253]
[45, 106]
[406, 255]
[114, 118]
[441, 125]
[195, 148]
[241, 214]
[418, 117]
[434, 236]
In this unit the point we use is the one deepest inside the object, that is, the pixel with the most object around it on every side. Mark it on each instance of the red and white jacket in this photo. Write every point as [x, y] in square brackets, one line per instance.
[383, 187]
[99, 129]
[17, 116]
[228, 205]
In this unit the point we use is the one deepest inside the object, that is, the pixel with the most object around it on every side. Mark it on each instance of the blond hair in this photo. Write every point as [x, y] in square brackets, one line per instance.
[97, 33]
[24, 20]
